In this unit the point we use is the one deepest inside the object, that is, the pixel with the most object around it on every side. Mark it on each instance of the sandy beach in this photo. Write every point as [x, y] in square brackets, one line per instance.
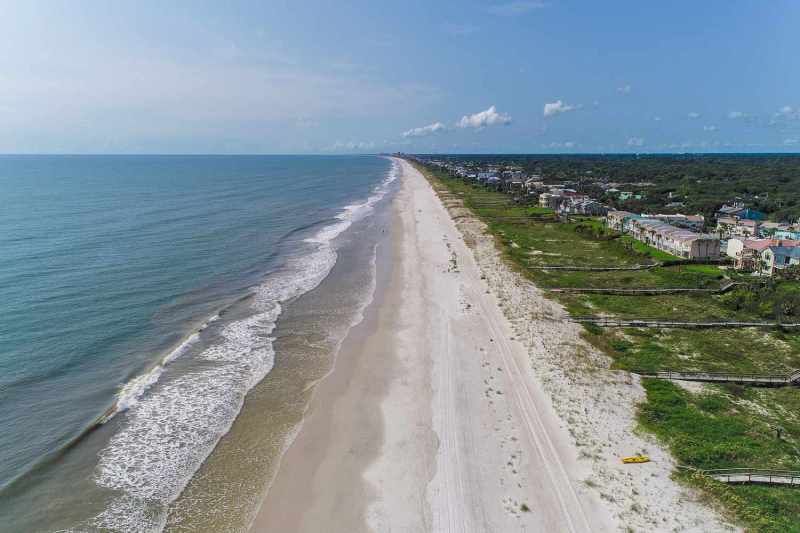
[464, 402]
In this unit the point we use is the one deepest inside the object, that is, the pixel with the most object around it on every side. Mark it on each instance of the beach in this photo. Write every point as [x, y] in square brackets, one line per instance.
[465, 401]
[432, 418]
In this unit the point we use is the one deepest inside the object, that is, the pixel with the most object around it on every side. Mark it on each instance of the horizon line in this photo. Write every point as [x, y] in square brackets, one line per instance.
[318, 154]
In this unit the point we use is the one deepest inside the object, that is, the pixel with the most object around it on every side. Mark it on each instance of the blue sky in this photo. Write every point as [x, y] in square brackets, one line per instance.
[418, 76]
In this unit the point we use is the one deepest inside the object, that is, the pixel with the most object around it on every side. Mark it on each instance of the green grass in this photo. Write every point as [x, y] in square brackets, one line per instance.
[648, 250]
[724, 426]
[729, 427]
[744, 351]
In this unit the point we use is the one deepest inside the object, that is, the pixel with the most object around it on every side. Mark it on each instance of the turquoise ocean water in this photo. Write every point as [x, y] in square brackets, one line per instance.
[111, 269]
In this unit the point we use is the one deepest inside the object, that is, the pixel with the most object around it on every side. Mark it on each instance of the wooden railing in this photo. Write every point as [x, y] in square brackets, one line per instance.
[662, 323]
[759, 476]
[726, 377]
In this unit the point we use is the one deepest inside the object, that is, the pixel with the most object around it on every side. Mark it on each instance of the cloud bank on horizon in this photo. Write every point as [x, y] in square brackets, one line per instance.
[315, 77]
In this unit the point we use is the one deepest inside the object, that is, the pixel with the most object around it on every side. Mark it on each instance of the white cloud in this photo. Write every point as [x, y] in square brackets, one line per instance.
[351, 146]
[635, 141]
[733, 115]
[657, 119]
[694, 114]
[791, 142]
[557, 107]
[490, 117]
[424, 131]
[710, 128]
[625, 89]
[565, 144]
[517, 7]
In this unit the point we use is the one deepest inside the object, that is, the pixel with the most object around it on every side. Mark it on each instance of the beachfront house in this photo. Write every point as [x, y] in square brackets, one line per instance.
[728, 227]
[762, 255]
[679, 242]
[676, 241]
[776, 258]
[616, 219]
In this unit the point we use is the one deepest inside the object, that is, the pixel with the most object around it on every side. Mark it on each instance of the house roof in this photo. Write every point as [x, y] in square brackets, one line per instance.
[730, 209]
[762, 244]
[789, 251]
[673, 232]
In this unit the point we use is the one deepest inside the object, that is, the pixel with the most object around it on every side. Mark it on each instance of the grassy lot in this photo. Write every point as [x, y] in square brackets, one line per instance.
[717, 427]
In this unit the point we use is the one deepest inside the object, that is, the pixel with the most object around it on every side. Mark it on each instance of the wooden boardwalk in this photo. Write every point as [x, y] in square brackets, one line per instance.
[599, 268]
[574, 268]
[660, 323]
[755, 476]
[763, 380]
[652, 291]
[635, 292]
[524, 220]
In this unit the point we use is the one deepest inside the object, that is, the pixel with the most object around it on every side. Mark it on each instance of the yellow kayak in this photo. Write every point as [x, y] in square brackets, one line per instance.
[636, 459]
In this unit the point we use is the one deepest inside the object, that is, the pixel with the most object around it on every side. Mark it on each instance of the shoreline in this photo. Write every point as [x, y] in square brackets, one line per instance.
[431, 418]
[341, 431]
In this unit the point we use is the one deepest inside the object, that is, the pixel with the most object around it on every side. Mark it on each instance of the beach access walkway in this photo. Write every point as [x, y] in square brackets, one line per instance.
[607, 321]
[764, 380]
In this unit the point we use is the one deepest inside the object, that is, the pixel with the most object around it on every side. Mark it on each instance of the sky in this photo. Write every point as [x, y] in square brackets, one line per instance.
[323, 77]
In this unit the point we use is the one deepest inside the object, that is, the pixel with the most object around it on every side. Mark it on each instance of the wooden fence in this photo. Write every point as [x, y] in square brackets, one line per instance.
[757, 476]
[660, 323]
[764, 380]
[651, 291]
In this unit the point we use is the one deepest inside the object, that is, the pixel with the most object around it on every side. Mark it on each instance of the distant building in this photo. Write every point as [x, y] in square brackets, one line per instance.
[550, 200]
[763, 255]
[788, 233]
[584, 207]
[616, 219]
[734, 227]
[740, 212]
[627, 195]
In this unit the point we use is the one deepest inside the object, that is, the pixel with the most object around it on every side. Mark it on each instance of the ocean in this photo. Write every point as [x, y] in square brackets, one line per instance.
[162, 322]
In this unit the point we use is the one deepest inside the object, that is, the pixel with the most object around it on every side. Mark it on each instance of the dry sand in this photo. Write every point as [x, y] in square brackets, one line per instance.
[464, 402]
